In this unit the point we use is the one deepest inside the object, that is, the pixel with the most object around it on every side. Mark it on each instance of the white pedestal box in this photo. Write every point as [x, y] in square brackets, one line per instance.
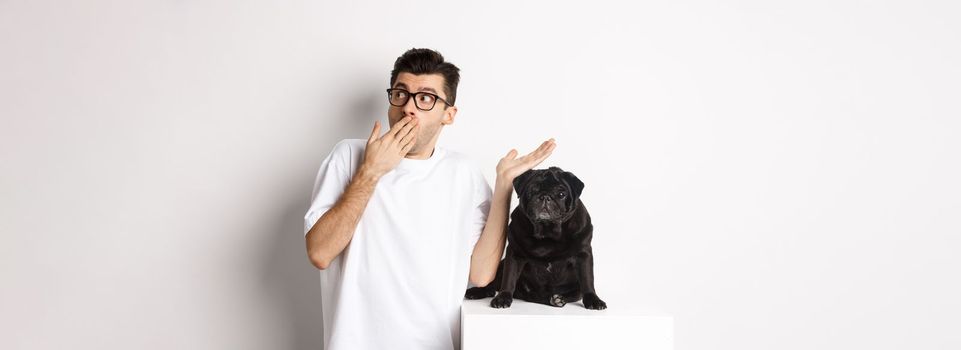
[526, 326]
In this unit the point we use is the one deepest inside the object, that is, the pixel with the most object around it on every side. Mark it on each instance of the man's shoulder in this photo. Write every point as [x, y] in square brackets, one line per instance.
[348, 147]
[351, 143]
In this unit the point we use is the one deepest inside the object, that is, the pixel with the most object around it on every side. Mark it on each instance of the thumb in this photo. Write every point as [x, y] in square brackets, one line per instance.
[374, 133]
[511, 154]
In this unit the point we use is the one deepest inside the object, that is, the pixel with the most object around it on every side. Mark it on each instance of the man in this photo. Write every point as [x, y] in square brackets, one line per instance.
[399, 226]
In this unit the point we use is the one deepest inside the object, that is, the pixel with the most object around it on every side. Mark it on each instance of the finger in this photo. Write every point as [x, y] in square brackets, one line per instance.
[534, 154]
[409, 135]
[374, 133]
[406, 131]
[400, 125]
[546, 144]
[536, 161]
[511, 154]
[410, 144]
[550, 148]
[545, 148]
[547, 151]
[541, 155]
[540, 149]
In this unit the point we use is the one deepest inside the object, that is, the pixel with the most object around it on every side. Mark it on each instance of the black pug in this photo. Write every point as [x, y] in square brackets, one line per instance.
[549, 259]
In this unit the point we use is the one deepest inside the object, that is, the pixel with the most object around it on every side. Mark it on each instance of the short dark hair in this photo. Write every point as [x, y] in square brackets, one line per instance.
[427, 61]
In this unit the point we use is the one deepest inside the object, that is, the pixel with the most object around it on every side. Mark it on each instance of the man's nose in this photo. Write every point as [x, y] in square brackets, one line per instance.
[410, 108]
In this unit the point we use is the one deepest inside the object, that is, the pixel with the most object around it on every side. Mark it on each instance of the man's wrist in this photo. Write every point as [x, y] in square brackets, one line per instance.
[366, 174]
[503, 185]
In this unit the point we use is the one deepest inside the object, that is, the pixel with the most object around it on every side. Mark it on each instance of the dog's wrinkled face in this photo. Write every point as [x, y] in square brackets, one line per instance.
[547, 194]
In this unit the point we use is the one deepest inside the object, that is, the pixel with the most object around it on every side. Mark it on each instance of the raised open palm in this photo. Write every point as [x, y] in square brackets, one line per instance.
[510, 167]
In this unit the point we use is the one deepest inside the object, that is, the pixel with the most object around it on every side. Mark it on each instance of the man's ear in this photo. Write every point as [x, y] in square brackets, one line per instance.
[520, 183]
[576, 185]
[449, 115]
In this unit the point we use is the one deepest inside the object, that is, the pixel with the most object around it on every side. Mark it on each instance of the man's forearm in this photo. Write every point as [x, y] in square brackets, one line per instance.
[334, 230]
[490, 246]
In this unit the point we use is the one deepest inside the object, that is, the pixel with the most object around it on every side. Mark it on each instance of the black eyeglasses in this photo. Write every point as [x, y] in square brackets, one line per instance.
[423, 100]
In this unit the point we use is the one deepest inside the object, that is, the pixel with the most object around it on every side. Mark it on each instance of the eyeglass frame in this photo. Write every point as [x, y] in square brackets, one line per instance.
[414, 95]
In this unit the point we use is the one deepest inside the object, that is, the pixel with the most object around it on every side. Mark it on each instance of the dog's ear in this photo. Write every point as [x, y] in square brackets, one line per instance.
[576, 185]
[520, 182]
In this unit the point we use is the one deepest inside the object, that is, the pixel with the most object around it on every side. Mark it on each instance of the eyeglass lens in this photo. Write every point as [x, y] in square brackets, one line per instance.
[422, 100]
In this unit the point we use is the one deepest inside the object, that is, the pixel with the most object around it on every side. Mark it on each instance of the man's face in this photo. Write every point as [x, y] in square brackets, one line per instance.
[430, 122]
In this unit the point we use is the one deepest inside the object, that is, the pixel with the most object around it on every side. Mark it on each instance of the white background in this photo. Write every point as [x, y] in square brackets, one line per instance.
[777, 175]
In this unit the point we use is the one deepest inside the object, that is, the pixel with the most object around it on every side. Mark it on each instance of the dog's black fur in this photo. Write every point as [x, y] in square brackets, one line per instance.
[549, 258]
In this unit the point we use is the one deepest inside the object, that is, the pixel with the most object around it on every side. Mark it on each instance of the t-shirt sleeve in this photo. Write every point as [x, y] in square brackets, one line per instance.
[481, 206]
[330, 184]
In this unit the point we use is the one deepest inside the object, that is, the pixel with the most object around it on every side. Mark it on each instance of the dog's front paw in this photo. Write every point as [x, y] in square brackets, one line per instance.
[591, 301]
[479, 293]
[502, 300]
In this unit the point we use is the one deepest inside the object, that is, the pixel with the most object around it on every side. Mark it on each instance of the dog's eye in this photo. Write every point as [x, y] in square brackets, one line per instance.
[562, 194]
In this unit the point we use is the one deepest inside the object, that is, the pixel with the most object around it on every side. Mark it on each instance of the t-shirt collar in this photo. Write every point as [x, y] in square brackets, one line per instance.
[407, 163]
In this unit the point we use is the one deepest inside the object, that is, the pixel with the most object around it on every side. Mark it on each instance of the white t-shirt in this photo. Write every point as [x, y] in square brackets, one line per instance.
[400, 281]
